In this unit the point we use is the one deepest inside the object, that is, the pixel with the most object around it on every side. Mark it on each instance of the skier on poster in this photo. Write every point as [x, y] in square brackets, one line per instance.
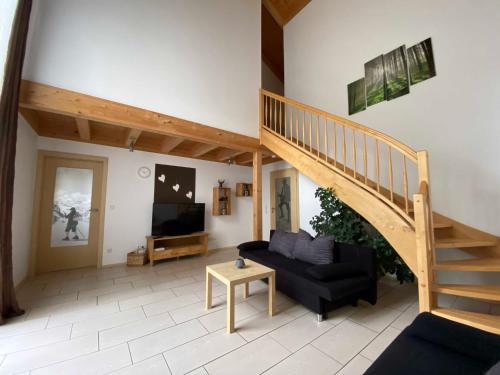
[284, 199]
[72, 224]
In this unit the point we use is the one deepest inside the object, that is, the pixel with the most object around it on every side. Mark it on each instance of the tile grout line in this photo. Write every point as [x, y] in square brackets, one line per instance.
[166, 362]
[248, 342]
[303, 346]
[130, 354]
[62, 361]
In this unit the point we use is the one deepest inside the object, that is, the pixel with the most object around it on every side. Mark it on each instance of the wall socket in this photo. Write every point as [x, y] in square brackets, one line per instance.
[109, 251]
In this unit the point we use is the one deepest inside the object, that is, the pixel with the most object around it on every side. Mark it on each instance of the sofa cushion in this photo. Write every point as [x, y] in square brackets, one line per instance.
[283, 243]
[253, 245]
[317, 250]
[334, 271]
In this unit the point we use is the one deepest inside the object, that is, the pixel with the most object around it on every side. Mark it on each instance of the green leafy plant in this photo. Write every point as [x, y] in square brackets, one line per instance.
[339, 220]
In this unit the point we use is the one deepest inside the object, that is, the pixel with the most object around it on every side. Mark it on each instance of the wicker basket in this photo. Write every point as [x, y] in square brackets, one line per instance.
[135, 258]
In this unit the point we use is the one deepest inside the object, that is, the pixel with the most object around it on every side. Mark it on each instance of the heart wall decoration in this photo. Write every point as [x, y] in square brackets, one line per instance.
[174, 184]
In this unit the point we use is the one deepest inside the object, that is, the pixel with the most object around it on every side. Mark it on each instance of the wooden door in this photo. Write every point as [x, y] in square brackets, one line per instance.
[69, 207]
[285, 200]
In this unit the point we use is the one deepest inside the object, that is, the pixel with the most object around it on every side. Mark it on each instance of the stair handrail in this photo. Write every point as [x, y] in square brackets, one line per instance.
[275, 114]
[403, 148]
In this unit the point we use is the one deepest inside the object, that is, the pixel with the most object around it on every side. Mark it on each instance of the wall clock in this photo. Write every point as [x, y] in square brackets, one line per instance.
[144, 172]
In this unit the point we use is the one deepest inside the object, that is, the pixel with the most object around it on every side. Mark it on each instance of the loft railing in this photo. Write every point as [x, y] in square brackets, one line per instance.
[375, 161]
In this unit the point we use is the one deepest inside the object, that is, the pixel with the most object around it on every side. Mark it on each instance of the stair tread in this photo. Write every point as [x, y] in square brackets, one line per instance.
[454, 242]
[486, 322]
[486, 292]
[442, 223]
[438, 223]
[479, 264]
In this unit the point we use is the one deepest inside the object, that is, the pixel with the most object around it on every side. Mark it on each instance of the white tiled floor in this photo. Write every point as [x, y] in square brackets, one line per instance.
[152, 320]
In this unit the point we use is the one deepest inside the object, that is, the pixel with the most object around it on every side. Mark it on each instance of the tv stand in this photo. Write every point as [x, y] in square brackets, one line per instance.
[176, 246]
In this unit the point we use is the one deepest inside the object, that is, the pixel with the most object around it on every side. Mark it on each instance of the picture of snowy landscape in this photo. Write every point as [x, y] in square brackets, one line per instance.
[71, 209]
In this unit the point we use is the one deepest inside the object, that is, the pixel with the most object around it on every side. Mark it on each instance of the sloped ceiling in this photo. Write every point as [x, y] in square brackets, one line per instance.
[275, 15]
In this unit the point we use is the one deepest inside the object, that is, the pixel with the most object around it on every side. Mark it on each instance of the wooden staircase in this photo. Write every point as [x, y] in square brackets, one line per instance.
[388, 183]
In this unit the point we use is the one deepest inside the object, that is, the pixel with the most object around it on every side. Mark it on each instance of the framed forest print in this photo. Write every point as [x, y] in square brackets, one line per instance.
[356, 96]
[396, 72]
[375, 81]
[421, 62]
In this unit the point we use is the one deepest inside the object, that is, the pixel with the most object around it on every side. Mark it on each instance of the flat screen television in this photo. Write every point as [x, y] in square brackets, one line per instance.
[175, 219]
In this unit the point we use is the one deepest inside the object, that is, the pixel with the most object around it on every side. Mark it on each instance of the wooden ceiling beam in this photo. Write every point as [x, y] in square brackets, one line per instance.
[132, 136]
[169, 143]
[83, 127]
[42, 97]
[202, 149]
[31, 118]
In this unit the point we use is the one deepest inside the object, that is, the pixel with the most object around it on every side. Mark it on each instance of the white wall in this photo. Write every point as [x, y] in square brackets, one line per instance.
[270, 81]
[7, 12]
[24, 187]
[129, 198]
[198, 60]
[454, 115]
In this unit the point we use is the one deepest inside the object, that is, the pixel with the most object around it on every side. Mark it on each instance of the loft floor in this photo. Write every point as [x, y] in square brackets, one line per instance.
[152, 320]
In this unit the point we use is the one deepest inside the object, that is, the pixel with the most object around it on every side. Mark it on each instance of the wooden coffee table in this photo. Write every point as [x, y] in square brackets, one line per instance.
[231, 276]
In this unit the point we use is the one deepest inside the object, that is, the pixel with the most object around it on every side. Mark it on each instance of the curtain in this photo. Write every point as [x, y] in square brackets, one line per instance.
[9, 103]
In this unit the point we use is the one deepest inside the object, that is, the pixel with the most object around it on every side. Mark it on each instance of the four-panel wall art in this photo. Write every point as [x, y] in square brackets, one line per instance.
[390, 75]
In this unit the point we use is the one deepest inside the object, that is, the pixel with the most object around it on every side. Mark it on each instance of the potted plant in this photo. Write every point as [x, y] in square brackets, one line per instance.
[338, 219]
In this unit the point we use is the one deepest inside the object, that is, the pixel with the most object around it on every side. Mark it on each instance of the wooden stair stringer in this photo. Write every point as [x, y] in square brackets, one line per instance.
[392, 226]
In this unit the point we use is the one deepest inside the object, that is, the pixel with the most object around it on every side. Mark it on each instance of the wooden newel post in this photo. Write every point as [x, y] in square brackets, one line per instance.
[424, 230]
[257, 195]
[424, 253]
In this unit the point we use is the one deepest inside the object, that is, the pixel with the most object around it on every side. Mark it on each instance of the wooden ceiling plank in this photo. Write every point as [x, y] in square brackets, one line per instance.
[224, 155]
[83, 127]
[274, 12]
[284, 10]
[56, 100]
[170, 143]
[202, 149]
[244, 159]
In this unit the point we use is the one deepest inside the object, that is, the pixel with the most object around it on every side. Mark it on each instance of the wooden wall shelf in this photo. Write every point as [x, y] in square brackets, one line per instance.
[177, 246]
[240, 189]
[221, 201]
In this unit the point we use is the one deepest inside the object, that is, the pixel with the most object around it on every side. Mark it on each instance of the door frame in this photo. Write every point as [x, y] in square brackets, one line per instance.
[43, 155]
[294, 195]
